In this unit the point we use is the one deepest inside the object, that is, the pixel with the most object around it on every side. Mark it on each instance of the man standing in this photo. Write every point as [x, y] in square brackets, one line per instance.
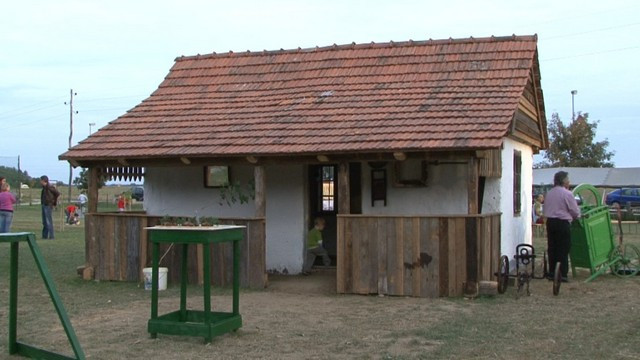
[560, 209]
[49, 200]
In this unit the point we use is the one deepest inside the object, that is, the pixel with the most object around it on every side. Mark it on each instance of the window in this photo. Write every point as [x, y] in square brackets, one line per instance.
[327, 188]
[216, 176]
[517, 182]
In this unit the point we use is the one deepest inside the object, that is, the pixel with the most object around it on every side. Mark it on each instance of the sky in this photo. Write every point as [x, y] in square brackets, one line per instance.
[114, 54]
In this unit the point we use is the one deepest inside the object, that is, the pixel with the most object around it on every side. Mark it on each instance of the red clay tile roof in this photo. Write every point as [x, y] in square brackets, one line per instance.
[429, 95]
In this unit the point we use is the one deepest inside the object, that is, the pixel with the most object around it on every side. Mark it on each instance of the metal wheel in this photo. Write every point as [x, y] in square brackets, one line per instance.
[629, 260]
[545, 265]
[503, 274]
[557, 279]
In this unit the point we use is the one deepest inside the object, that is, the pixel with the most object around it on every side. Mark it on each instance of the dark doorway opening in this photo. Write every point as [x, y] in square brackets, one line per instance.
[323, 201]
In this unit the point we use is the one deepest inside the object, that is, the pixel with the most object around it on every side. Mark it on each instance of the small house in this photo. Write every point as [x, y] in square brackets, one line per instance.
[418, 155]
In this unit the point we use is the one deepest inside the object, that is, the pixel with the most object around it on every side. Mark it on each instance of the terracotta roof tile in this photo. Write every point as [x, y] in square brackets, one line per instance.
[428, 95]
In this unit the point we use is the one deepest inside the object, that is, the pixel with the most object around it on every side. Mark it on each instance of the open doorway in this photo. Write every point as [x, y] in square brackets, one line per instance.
[323, 201]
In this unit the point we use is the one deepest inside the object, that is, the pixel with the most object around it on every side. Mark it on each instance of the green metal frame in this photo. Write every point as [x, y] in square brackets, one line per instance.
[19, 348]
[191, 322]
[592, 237]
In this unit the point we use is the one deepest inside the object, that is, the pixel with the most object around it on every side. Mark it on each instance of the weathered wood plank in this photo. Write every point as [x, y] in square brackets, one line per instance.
[443, 256]
[399, 256]
[429, 258]
[415, 250]
[461, 253]
[383, 255]
[348, 257]
[390, 246]
[340, 254]
[408, 257]
[471, 249]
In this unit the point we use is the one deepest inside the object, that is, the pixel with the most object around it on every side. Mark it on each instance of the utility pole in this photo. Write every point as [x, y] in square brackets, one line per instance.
[71, 93]
[573, 112]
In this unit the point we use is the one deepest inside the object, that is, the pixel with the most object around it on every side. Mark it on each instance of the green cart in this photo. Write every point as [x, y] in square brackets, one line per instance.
[592, 240]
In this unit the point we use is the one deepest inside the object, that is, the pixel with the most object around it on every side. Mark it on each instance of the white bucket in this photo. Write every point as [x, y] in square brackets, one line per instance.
[162, 275]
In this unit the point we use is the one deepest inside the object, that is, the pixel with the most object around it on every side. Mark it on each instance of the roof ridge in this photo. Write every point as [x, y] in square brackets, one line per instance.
[371, 45]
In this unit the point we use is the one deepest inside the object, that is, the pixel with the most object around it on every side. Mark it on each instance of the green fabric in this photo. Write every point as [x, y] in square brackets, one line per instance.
[314, 237]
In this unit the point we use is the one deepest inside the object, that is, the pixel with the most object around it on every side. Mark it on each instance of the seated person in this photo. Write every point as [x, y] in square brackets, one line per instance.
[314, 247]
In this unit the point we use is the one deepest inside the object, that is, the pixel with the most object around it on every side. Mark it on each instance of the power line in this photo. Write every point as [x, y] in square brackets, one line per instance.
[591, 31]
[591, 53]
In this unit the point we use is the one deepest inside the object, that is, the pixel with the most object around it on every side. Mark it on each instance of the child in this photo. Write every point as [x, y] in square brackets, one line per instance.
[121, 203]
[314, 246]
[70, 211]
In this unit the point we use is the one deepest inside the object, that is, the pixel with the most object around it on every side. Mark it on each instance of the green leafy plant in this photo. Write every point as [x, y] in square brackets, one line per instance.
[237, 192]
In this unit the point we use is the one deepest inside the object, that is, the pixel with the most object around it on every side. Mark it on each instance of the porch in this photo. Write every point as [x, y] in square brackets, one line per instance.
[420, 256]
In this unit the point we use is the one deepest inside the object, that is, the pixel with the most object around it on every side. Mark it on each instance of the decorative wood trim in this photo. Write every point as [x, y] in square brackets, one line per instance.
[344, 205]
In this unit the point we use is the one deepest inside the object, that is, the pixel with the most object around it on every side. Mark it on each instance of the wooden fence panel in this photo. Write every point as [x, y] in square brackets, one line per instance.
[117, 247]
[422, 256]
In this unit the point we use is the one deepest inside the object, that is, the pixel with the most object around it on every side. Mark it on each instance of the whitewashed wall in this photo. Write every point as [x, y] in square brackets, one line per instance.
[179, 191]
[516, 229]
[286, 199]
[445, 193]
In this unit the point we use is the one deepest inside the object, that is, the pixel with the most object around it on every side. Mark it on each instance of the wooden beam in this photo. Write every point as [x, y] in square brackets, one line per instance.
[344, 201]
[123, 162]
[400, 156]
[74, 163]
[185, 160]
[472, 183]
[323, 158]
[252, 159]
[260, 189]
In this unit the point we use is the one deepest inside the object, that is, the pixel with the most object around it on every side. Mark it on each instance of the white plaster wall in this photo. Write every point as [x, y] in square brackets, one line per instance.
[492, 198]
[516, 229]
[286, 199]
[180, 191]
[445, 193]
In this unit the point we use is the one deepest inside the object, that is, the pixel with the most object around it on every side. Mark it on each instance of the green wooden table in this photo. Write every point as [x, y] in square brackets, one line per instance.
[205, 323]
[20, 348]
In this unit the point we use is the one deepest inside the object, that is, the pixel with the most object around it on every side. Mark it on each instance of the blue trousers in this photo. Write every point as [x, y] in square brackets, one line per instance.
[6, 218]
[47, 222]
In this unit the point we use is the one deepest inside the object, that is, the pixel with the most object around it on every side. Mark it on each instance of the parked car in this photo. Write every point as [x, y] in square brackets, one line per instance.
[624, 197]
[137, 193]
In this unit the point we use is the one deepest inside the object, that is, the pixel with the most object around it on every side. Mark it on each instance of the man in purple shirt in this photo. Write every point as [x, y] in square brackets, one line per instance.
[560, 209]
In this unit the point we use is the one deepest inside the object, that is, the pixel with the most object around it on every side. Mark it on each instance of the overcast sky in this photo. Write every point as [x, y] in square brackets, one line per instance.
[114, 54]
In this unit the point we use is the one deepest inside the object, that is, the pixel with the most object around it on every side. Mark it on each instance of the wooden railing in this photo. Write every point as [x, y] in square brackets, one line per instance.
[421, 256]
[117, 249]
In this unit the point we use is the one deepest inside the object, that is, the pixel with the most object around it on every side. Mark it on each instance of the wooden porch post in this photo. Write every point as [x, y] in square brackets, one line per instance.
[259, 178]
[471, 230]
[344, 201]
[343, 271]
[260, 200]
[472, 183]
[94, 176]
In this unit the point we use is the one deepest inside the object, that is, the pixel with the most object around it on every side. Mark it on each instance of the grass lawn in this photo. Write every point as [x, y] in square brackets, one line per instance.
[301, 317]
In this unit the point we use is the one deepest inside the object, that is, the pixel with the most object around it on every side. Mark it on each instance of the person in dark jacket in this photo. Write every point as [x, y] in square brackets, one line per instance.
[49, 200]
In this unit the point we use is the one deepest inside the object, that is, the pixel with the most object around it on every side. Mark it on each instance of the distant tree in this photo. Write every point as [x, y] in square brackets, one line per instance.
[82, 181]
[574, 146]
[16, 177]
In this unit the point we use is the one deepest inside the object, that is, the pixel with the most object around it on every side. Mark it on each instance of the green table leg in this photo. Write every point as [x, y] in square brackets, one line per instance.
[155, 250]
[236, 277]
[13, 299]
[206, 261]
[184, 278]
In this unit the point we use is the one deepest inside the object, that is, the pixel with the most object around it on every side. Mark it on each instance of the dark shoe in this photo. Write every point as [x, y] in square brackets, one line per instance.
[565, 279]
[306, 273]
[550, 277]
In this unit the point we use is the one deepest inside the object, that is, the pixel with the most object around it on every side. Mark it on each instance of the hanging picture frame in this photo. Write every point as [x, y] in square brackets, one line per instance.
[216, 176]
